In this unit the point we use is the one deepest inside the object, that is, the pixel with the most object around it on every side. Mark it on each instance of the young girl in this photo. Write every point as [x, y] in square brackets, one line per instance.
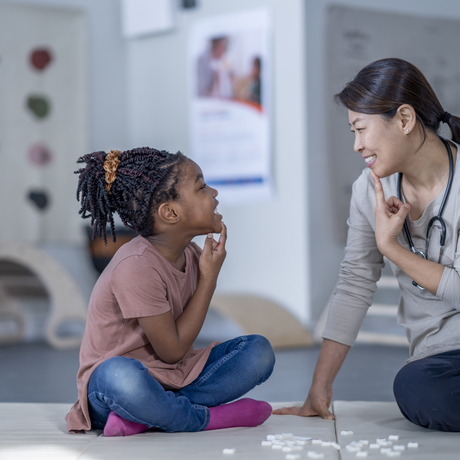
[138, 369]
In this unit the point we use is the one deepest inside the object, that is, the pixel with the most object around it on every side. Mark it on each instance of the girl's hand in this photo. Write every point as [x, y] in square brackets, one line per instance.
[389, 217]
[317, 403]
[213, 255]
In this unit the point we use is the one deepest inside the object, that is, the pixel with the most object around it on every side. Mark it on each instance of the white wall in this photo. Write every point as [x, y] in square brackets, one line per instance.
[285, 249]
[267, 245]
[107, 71]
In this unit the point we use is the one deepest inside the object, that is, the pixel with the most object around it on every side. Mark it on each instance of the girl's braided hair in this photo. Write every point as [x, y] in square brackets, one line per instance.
[132, 183]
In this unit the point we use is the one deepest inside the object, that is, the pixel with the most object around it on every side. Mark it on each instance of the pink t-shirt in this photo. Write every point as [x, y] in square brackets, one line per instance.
[138, 282]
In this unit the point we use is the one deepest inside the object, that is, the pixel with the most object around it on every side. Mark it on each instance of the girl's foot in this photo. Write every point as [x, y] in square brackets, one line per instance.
[117, 426]
[244, 412]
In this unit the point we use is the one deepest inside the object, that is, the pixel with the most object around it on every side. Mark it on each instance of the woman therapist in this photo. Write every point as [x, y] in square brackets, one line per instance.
[395, 116]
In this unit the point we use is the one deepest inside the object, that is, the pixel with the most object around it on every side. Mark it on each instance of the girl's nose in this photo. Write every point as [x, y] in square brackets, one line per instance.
[214, 192]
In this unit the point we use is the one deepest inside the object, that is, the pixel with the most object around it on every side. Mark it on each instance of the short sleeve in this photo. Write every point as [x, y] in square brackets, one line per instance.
[139, 289]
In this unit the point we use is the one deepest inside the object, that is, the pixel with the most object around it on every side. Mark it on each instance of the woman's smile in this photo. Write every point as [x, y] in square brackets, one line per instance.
[370, 160]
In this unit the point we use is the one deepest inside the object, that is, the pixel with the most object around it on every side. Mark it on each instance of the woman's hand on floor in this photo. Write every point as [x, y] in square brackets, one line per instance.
[317, 403]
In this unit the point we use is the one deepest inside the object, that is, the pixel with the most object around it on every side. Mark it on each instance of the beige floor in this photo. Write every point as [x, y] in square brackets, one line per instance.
[37, 431]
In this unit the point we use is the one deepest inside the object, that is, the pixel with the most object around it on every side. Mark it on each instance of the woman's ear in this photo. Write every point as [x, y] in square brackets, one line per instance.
[407, 118]
[167, 213]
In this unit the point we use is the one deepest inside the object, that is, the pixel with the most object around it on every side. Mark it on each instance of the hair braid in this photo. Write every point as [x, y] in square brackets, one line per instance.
[144, 178]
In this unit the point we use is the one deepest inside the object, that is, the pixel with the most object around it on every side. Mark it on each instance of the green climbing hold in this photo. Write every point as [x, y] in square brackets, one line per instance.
[39, 106]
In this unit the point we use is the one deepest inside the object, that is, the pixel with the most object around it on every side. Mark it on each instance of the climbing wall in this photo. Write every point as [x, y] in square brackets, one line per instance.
[42, 121]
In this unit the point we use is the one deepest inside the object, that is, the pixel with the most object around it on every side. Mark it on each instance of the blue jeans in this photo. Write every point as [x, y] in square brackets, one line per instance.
[124, 385]
[428, 391]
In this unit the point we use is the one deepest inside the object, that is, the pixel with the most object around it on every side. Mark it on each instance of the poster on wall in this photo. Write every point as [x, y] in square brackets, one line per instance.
[230, 104]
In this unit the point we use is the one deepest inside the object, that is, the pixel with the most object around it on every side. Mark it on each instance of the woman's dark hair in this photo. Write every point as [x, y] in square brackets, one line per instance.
[142, 179]
[383, 86]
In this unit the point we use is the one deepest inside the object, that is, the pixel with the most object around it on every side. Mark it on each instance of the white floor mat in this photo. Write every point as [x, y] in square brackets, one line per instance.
[37, 431]
[378, 420]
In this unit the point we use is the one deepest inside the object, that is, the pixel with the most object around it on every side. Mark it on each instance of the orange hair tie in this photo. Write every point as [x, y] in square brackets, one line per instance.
[110, 166]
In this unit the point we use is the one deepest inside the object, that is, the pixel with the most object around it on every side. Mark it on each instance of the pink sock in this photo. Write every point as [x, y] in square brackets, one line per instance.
[117, 426]
[244, 412]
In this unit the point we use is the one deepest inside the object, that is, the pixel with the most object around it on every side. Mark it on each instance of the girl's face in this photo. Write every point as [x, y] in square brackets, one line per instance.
[198, 202]
[380, 142]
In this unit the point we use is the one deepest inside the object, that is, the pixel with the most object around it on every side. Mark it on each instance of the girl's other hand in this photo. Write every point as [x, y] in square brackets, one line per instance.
[213, 255]
[390, 215]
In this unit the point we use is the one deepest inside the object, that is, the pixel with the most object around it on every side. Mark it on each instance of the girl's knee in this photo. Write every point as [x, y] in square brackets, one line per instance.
[119, 366]
[263, 354]
[121, 374]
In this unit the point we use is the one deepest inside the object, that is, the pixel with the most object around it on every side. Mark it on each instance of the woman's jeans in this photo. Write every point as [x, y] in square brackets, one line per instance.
[124, 385]
[428, 391]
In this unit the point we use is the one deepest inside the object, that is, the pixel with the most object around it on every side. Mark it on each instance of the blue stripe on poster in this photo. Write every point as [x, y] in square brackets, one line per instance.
[236, 181]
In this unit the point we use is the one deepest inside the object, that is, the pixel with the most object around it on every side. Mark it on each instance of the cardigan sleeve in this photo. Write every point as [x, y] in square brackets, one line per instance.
[360, 269]
[449, 285]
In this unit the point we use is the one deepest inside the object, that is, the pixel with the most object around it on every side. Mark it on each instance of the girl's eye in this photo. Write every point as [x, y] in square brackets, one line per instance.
[204, 185]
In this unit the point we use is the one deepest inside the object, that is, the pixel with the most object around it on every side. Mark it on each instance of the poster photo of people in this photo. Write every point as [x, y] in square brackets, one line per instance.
[230, 104]
[217, 78]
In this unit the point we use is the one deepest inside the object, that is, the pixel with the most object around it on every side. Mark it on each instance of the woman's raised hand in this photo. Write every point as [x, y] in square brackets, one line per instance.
[213, 255]
[390, 215]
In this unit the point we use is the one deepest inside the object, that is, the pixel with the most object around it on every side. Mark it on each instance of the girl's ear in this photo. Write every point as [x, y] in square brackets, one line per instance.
[168, 213]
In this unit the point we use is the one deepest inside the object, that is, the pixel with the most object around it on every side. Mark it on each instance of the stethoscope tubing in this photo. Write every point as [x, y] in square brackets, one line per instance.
[434, 218]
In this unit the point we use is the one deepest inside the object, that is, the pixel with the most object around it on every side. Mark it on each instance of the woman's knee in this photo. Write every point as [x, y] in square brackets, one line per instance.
[423, 390]
[410, 384]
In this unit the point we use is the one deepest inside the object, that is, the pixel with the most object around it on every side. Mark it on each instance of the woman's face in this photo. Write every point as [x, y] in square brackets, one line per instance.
[380, 142]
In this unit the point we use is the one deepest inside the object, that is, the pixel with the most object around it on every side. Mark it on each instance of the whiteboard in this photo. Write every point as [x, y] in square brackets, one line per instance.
[357, 37]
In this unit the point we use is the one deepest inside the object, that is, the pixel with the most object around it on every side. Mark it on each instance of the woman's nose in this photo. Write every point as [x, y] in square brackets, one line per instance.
[358, 145]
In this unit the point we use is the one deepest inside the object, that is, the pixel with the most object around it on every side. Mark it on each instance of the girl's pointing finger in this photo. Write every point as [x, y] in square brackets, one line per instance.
[223, 236]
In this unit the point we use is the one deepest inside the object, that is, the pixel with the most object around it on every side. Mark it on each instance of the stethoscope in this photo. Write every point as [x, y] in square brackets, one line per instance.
[433, 219]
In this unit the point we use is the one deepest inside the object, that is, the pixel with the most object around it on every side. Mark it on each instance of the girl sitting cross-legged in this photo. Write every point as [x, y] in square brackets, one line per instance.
[138, 369]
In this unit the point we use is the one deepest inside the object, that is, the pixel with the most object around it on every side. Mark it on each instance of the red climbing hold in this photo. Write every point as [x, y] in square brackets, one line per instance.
[40, 58]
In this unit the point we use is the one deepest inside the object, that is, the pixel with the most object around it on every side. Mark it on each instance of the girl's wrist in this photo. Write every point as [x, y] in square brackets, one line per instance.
[209, 281]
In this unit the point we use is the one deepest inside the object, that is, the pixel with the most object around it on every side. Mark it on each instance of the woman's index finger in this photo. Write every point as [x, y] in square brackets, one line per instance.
[379, 195]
